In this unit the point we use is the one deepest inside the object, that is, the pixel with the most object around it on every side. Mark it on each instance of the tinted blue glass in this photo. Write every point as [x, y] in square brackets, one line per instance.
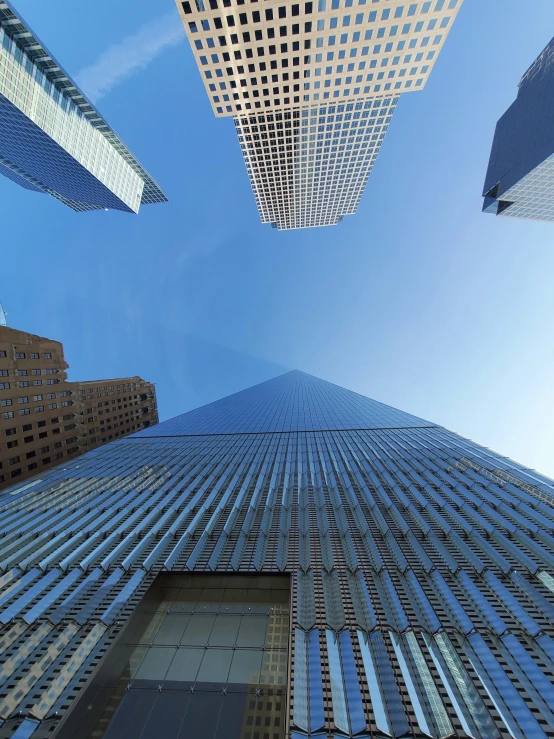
[518, 180]
[35, 147]
[354, 515]
[394, 703]
[317, 716]
[498, 679]
[292, 402]
[337, 685]
[351, 682]
[300, 681]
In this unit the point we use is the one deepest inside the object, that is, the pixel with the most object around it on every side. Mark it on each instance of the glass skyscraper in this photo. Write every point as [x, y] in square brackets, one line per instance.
[520, 176]
[292, 561]
[312, 87]
[53, 139]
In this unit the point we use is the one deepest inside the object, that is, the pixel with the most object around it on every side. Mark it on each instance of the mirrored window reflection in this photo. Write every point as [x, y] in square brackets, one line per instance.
[227, 645]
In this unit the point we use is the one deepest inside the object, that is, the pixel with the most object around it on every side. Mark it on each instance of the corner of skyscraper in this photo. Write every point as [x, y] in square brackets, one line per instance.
[53, 138]
[520, 176]
[293, 561]
[312, 87]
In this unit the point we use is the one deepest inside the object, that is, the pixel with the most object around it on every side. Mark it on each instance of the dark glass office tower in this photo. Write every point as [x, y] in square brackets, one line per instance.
[520, 177]
[53, 140]
[292, 561]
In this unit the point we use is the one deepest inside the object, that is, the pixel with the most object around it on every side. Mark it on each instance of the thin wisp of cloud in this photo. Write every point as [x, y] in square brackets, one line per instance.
[120, 61]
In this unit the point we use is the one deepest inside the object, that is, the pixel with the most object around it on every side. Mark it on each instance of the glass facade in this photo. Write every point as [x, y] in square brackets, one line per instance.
[225, 636]
[520, 175]
[406, 580]
[53, 139]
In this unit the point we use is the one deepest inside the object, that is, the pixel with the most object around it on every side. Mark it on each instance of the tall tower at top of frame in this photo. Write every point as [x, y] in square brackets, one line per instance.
[312, 87]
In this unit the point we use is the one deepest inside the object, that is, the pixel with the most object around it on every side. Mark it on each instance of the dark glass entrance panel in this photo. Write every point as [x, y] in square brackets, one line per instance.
[203, 657]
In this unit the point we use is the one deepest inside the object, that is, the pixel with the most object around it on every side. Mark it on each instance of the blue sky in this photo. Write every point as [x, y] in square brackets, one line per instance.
[419, 300]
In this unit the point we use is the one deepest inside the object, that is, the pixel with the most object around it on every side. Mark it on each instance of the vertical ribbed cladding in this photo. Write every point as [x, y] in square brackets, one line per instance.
[420, 562]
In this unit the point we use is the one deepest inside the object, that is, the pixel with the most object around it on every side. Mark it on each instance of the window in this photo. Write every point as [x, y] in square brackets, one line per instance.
[44, 449]
[28, 439]
[47, 355]
[14, 460]
[10, 432]
[39, 409]
[50, 396]
[32, 466]
[27, 427]
[43, 435]
[186, 659]
[21, 373]
[7, 414]
[51, 406]
[35, 372]
[46, 460]
[12, 444]
[5, 402]
[23, 383]
[30, 455]
[37, 397]
[23, 399]
[34, 355]
[16, 473]
[24, 411]
[2, 353]
[3, 373]
[4, 385]
[20, 355]
[37, 382]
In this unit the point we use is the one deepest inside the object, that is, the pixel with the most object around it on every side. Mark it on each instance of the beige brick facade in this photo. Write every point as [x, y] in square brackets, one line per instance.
[46, 420]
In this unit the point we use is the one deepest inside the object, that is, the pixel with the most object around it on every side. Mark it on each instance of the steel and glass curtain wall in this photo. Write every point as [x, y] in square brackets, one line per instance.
[520, 176]
[292, 561]
[53, 138]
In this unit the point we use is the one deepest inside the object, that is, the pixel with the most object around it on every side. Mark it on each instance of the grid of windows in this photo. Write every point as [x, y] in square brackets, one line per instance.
[310, 167]
[53, 139]
[132, 407]
[253, 58]
[276, 68]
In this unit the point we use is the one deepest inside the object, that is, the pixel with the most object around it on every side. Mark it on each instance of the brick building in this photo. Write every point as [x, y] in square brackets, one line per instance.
[46, 419]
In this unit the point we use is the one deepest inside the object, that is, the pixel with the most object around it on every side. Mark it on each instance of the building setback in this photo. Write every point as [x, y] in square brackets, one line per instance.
[520, 175]
[292, 561]
[312, 87]
[46, 420]
[53, 139]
